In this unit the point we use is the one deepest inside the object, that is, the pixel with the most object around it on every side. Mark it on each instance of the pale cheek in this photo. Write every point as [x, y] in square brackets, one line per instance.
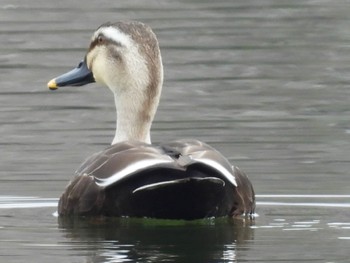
[96, 63]
[89, 59]
[98, 68]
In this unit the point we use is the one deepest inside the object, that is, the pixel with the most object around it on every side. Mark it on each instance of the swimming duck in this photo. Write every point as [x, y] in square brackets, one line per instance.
[183, 179]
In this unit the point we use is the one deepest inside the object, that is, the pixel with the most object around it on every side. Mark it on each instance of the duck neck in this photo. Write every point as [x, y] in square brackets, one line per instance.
[134, 116]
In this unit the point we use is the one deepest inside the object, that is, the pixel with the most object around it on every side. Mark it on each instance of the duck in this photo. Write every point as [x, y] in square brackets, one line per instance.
[184, 179]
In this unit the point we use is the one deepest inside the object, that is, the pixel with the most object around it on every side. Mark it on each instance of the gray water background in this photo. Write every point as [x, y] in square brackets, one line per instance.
[265, 82]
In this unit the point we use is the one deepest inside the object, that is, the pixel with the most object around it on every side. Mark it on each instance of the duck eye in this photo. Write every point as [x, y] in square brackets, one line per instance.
[100, 39]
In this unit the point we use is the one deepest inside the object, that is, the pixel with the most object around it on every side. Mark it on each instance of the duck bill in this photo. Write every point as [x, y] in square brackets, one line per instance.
[79, 76]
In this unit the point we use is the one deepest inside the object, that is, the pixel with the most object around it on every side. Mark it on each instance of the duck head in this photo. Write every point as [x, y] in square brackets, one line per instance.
[124, 56]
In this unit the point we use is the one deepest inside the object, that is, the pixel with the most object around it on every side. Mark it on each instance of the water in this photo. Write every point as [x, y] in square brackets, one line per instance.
[265, 82]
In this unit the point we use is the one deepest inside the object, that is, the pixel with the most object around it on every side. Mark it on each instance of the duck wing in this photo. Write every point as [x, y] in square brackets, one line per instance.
[182, 179]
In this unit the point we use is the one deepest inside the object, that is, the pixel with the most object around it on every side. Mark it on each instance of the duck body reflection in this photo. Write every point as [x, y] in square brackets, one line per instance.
[155, 240]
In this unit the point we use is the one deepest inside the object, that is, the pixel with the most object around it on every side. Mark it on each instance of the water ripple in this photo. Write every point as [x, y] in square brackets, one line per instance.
[7, 202]
[26, 202]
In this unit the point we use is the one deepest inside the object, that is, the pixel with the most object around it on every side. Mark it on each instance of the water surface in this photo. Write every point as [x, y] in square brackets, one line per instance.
[264, 82]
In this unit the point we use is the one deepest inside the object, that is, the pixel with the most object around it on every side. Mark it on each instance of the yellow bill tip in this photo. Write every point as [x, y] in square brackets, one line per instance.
[52, 84]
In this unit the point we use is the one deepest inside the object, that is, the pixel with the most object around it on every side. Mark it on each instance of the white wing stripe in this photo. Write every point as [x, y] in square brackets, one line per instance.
[155, 185]
[217, 166]
[150, 186]
[140, 165]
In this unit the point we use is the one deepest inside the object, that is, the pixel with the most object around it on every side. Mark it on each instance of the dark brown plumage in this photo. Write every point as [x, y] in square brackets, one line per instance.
[183, 188]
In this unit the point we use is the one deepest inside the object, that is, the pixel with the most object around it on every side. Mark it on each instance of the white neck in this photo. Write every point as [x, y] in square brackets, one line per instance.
[134, 115]
[131, 66]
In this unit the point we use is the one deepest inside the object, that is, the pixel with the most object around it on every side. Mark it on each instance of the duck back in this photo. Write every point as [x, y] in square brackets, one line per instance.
[185, 179]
